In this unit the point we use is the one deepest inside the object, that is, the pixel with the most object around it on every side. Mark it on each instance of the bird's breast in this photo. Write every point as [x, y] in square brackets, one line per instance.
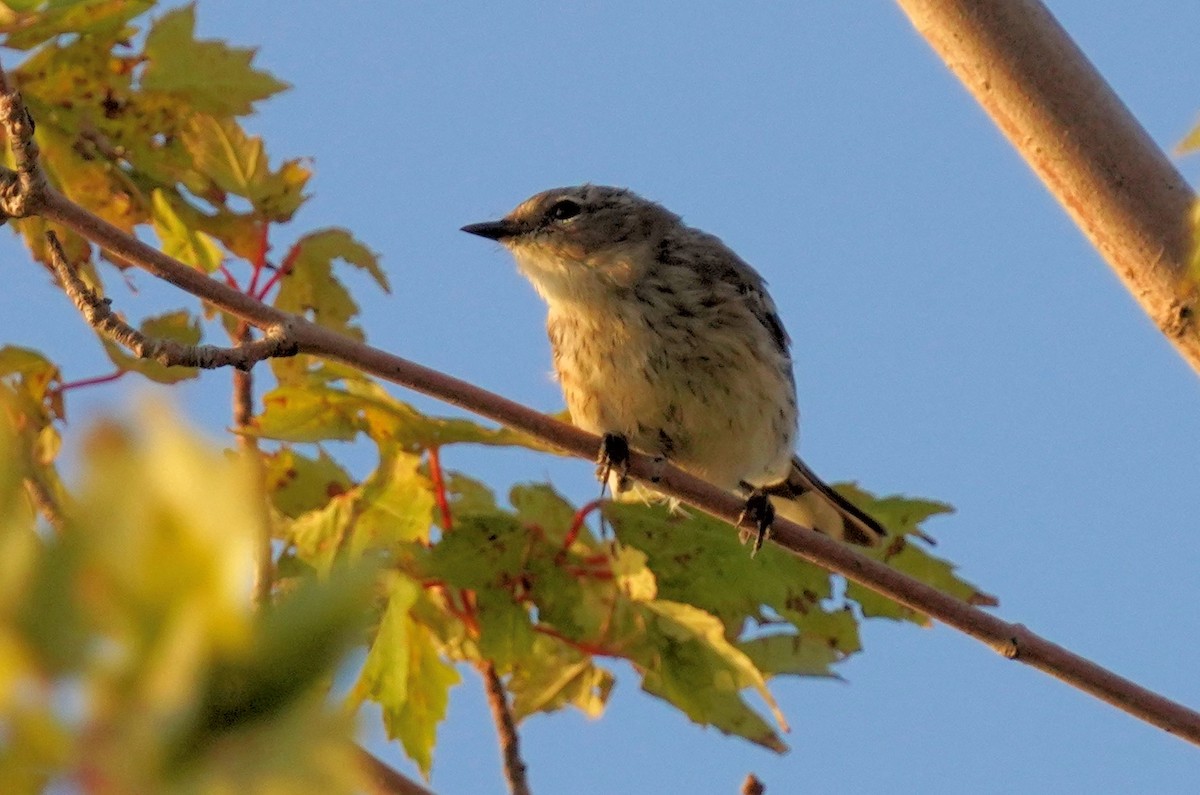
[705, 389]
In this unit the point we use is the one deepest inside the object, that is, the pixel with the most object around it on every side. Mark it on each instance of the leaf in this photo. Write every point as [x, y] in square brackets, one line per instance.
[405, 675]
[296, 644]
[1190, 142]
[300, 414]
[689, 663]
[810, 653]
[505, 628]
[919, 564]
[298, 483]
[698, 560]
[554, 675]
[237, 163]
[397, 505]
[178, 326]
[318, 534]
[181, 241]
[310, 287]
[214, 77]
[903, 517]
[540, 506]
[105, 19]
[314, 410]
[234, 161]
[467, 495]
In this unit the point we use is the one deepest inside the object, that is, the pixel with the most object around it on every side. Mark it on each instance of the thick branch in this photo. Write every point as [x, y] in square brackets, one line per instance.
[1012, 640]
[1083, 143]
[506, 729]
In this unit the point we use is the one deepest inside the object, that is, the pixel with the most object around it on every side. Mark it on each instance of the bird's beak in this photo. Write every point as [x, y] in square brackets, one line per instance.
[493, 230]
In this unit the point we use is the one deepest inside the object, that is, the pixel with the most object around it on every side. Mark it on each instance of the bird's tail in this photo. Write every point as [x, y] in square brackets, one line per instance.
[809, 501]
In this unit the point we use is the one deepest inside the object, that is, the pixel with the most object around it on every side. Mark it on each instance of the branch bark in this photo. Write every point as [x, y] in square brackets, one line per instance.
[1083, 143]
[506, 729]
[1012, 640]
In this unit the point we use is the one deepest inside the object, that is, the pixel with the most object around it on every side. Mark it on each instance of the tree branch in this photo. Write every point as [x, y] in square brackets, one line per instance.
[1083, 143]
[506, 729]
[1012, 640]
[752, 786]
[100, 316]
[385, 780]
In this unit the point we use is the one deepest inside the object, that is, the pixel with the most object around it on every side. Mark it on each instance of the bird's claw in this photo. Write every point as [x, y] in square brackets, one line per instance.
[760, 513]
[613, 458]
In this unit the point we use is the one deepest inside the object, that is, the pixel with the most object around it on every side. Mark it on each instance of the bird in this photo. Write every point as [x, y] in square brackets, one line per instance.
[666, 341]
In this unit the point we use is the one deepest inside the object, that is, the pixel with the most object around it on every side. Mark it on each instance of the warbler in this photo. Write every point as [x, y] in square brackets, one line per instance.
[664, 340]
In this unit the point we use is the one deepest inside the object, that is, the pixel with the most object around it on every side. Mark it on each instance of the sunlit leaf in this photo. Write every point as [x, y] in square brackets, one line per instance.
[215, 77]
[298, 483]
[407, 677]
[180, 240]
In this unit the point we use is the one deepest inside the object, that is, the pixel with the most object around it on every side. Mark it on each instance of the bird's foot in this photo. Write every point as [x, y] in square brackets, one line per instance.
[613, 459]
[760, 514]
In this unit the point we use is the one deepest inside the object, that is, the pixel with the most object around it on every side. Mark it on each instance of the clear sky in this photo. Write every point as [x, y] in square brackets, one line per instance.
[955, 335]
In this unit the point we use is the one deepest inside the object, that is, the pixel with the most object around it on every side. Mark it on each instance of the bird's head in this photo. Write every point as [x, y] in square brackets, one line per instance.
[575, 242]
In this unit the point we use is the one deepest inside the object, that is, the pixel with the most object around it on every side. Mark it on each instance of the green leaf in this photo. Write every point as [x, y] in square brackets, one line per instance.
[297, 644]
[302, 414]
[505, 629]
[406, 676]
[235, 162]
[181, 241]
[397, 505]
[699, 560]
[179, 326]
[310, 409]
[903, 517]
[689, 663]
[298, 484]
[810, 653]
[917, 563]
[554, 675]
[214, 77]
[310, 287]
[106, 19]
[540, 506]
[467, 495]
[318, 534]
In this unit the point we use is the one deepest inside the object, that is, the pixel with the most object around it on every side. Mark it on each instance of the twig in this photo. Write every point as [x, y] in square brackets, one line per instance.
[1083, 143]
[1012, 640]
[45, 502]
[506, 729]
[100, 316]
[243, 417]
[384, 779]
[752, 786]
[439, 489]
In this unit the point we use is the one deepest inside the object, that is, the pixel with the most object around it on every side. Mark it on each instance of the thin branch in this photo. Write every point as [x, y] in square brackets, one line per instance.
[43, 499]
[506, 729]
[384, 779]
[67, 386]
[99, 314]
[243, 418]
[1012, 640]
[1083, 143]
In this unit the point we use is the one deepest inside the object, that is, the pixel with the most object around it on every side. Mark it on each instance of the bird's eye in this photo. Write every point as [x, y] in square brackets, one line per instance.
[564, 209]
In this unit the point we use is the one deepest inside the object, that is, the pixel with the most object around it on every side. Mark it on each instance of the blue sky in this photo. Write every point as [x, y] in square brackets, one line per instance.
[955, 336]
